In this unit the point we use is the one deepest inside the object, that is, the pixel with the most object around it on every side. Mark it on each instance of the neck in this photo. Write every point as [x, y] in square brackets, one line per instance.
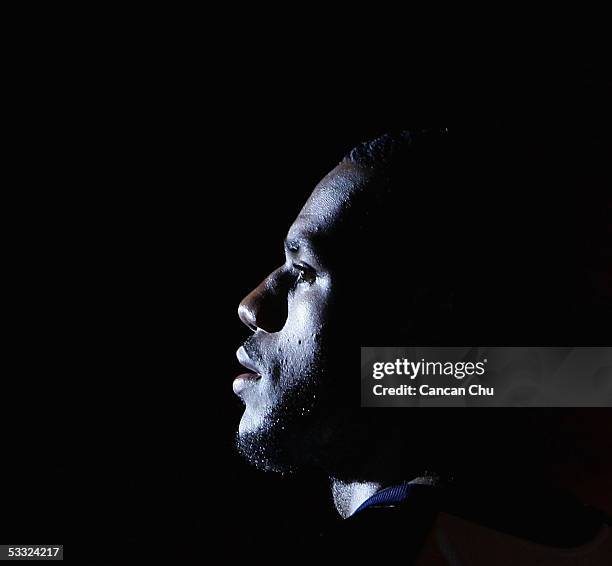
[348, 496]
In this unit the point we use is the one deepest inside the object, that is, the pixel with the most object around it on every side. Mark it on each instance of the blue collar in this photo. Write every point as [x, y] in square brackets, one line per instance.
[395, 495]
[522, 514]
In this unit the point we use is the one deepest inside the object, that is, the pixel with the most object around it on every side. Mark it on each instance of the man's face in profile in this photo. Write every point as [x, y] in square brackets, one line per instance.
[288, 414]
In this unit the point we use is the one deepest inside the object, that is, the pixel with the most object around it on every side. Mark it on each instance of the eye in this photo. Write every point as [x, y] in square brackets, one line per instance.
[306, 274]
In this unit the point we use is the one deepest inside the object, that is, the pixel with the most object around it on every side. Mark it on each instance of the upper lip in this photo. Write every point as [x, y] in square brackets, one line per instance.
[245, 361]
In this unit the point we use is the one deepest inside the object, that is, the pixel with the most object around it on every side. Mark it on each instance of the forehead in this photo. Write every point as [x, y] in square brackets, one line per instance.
[330, 204]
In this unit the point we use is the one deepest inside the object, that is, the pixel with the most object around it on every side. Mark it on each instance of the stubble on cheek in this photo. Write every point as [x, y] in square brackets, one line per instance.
[277, 427]
[280, 428]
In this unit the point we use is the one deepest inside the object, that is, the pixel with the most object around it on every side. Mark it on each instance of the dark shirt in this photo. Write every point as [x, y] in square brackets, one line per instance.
[398, 521]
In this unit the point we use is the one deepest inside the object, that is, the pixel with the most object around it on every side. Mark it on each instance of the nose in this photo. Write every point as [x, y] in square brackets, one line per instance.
[265, 307]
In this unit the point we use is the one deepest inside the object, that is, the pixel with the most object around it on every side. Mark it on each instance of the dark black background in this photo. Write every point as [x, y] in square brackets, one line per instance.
[206, 226]
[182, 187]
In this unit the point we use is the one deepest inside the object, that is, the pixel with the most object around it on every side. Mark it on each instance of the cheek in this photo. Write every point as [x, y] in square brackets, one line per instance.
[307, 313]
[299, 342]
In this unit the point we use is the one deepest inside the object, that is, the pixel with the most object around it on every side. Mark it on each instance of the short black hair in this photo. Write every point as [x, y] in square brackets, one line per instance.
[508, 223]
[384, 150]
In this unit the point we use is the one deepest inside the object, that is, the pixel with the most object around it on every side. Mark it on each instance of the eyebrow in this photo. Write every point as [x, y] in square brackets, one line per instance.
[292, 245]
[305, 242]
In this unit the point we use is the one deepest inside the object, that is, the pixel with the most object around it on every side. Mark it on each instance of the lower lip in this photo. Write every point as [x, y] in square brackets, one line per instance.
[243, 381]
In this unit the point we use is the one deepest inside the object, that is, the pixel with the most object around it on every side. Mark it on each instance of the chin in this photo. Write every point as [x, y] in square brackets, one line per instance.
[249, 423]
[280, 434]
[274, 441]
[262, 452]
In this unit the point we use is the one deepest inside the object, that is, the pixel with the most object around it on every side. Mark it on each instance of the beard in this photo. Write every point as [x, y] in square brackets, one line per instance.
[291, 431]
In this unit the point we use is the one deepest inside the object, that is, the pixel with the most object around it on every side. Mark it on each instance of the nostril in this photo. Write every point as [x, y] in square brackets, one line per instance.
[265, 308]
[247, 317]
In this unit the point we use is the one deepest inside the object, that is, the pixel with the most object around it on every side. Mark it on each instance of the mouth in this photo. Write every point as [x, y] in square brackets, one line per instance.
[245, 380]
